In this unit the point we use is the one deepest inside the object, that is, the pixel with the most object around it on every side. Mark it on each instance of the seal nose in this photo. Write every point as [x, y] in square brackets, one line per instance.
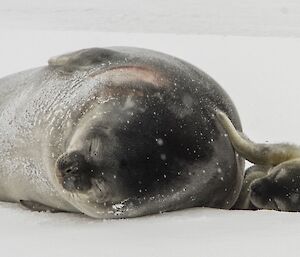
[75, 172]
[69, 163]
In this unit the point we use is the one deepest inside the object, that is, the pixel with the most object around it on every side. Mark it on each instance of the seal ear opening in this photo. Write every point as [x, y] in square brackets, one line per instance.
[264, 154]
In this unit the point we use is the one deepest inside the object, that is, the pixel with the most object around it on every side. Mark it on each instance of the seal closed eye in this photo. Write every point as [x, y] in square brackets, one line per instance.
[116, 132]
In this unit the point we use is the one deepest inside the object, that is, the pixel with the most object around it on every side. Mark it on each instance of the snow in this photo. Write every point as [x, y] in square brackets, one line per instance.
[194, 232]
[230, 17]
[261, 74]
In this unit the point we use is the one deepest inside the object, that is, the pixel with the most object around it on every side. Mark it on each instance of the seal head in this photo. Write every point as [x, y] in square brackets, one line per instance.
[132, 151]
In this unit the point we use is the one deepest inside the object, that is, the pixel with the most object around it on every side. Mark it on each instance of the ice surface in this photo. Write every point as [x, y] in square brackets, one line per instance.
[262, 77]
[193, 232]
[230, 17]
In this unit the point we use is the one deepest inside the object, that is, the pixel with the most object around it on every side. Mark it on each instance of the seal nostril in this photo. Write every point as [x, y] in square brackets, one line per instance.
[68, 171]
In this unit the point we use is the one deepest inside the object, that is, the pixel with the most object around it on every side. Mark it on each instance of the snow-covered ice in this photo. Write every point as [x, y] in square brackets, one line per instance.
[194, 232]
[262, 77]
[230, 17]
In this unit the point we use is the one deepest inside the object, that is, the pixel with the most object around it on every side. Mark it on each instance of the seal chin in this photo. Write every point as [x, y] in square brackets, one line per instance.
[126, 208]
[97, 203]
[94, 202]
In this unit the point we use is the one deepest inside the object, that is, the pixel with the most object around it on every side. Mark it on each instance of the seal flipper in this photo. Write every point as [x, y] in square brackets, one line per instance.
[251, 174]
[82, 59]
[264, 154]
[35, 206]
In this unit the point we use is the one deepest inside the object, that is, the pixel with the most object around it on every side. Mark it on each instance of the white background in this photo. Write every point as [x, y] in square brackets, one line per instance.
[229, 17]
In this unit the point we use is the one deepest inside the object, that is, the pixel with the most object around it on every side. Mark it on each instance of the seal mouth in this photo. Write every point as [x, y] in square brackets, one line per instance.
[98, 202]
[98, 191]
[94, 202]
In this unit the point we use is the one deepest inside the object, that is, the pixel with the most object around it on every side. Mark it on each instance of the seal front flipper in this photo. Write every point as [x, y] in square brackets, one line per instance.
[279, 190]
[82, 59]
[253, 173]
[35, 206]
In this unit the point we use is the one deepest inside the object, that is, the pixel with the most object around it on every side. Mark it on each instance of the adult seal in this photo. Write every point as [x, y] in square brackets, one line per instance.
[116, 132]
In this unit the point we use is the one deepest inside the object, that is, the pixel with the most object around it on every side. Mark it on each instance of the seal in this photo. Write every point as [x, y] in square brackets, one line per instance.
[251, 174]
[274, 182]
[116, 132]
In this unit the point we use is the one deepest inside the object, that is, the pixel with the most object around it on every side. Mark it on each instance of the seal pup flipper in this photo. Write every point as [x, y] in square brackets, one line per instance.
[35, 206]
[279, 190]
[264, 154]
[253, 173]
[80, 60]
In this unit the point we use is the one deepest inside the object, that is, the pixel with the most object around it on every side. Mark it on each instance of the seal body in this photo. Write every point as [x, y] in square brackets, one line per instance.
[116, 132]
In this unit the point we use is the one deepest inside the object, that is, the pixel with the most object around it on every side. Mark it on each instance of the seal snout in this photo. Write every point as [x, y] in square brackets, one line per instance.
[263, 192]
[74, 172]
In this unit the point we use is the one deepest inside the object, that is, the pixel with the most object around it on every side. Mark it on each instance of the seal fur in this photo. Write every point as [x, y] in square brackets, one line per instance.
[116, 132]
